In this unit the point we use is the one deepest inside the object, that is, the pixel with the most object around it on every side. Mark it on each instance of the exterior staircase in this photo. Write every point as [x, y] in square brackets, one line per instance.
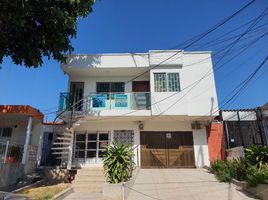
[62, 145]
[89, 180]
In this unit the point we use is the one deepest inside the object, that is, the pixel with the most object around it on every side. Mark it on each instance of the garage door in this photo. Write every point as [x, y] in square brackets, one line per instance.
[167, 149]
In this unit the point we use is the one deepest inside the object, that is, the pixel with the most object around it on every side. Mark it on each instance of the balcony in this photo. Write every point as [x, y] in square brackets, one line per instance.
[105, 101]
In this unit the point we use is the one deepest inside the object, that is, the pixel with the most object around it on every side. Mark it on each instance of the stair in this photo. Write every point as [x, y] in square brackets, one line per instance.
[61, 145]
[89, 180]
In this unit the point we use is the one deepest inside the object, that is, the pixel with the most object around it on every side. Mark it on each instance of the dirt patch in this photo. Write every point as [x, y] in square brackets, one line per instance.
[45, 191]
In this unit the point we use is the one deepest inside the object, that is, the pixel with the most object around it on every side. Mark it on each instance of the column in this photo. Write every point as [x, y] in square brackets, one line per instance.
[40, 146]
[70, 155]
[27, 140]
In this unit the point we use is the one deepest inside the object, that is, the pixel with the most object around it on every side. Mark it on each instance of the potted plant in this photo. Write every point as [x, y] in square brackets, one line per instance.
[14, 154]
[117, 163]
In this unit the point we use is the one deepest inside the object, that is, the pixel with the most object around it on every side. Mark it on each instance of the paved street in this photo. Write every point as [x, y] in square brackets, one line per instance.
[182, 184]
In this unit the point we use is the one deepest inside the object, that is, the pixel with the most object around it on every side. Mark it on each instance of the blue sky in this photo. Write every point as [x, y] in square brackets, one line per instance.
[139, 26]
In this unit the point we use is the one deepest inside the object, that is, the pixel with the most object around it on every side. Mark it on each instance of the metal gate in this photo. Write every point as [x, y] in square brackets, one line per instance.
[167, 149]
[242, 133]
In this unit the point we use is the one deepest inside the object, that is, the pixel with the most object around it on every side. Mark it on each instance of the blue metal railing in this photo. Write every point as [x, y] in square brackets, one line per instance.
[107, 101]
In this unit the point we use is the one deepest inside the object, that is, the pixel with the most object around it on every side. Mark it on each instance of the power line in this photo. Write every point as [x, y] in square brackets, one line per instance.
[197, 38]
[240, 87]
[211, 71]
[254, 23]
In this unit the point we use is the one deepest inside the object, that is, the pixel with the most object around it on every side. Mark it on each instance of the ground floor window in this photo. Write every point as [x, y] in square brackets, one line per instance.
[5, 132]
[124, 136]
[89, 146]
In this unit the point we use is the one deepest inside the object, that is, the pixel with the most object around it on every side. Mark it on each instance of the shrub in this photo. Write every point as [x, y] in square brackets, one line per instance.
[117, 162]
[238, 168]
[217, 166]
[225, 171]
[256, 175]
[257, 155]
[221, 170]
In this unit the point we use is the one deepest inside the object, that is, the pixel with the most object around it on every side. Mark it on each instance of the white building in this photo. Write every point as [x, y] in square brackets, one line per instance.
[20, 128]
[160, 102]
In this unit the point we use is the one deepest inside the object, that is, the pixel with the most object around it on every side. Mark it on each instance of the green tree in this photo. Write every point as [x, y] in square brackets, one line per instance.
[31, 29]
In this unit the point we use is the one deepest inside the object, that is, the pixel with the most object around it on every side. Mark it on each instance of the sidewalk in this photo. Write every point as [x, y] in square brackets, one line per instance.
[183, 184]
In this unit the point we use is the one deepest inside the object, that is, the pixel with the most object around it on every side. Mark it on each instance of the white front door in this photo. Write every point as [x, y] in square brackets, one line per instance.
[89, 147]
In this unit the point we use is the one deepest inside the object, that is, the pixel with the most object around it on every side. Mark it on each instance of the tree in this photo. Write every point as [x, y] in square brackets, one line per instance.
[31, 29]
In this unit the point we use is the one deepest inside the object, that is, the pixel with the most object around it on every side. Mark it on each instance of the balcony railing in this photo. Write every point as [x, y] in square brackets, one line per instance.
[106, 101]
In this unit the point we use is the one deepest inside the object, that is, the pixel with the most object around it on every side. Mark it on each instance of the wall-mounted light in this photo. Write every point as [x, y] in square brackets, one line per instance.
[140, 125]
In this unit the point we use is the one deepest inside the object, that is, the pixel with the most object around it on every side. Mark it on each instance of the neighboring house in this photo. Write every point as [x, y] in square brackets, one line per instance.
[162, 110]
[20, 128]
[47, 135]
[245, 127]
[264, 119]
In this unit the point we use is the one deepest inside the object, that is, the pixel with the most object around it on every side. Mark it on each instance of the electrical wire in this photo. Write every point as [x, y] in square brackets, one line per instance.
[194, 41]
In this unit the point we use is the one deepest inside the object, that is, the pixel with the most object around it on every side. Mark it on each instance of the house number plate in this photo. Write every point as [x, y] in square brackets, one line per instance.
[168, 135]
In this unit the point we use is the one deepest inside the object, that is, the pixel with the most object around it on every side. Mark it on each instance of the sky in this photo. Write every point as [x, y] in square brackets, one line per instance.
[117, 26]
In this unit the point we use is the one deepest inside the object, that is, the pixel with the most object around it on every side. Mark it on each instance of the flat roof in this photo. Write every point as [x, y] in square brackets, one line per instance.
[142, 53]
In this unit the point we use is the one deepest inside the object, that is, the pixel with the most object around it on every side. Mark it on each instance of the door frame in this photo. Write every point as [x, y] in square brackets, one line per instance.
[141, 82]
[75, 95]
[94, 160]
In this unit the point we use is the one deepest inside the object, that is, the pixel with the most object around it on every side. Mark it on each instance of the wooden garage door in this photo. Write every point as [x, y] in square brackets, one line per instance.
[167, 149]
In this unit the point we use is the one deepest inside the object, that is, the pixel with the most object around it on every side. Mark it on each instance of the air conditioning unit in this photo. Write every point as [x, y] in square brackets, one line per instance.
[196, 125]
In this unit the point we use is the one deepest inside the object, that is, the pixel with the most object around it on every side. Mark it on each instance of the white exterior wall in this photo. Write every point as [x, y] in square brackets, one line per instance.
[201, 148]
[18, 134]
[91, 82]
[107, 60]
[199, 101]
[199, 136]
[196, 98]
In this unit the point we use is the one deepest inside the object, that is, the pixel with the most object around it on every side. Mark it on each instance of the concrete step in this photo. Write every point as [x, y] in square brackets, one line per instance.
[92, 171]
[64, 138]
[65, 134]
[60, 148]
[61, 143]
[60, 153]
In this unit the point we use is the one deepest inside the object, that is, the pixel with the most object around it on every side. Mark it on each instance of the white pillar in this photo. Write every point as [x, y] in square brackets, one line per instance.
[40, 146]
[70, 155]
[27, 140]
[6, 150]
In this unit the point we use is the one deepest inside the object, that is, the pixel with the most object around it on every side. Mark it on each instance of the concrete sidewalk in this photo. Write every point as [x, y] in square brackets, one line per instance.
[84, 196]
[182, 184]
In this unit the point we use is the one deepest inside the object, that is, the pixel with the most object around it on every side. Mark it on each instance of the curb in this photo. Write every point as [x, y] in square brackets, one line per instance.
[63, 194]
[28, 186]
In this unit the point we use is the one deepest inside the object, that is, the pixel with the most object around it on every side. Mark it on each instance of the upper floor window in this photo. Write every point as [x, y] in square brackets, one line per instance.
[106, 87]
[166, 82]
[5, 132]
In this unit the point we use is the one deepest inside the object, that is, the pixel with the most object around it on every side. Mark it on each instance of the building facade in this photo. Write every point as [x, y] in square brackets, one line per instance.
[20, 128]
[159, 102]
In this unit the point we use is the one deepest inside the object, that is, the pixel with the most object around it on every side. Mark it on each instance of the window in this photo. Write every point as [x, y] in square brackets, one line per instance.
[166, 82]
[5, 132]
[107, 87]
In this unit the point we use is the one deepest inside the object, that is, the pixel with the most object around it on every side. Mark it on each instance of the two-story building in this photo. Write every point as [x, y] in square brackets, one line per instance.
[159, 102]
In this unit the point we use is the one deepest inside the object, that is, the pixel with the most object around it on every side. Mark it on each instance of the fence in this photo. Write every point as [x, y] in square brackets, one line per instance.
[11, 152]
[243, 133]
